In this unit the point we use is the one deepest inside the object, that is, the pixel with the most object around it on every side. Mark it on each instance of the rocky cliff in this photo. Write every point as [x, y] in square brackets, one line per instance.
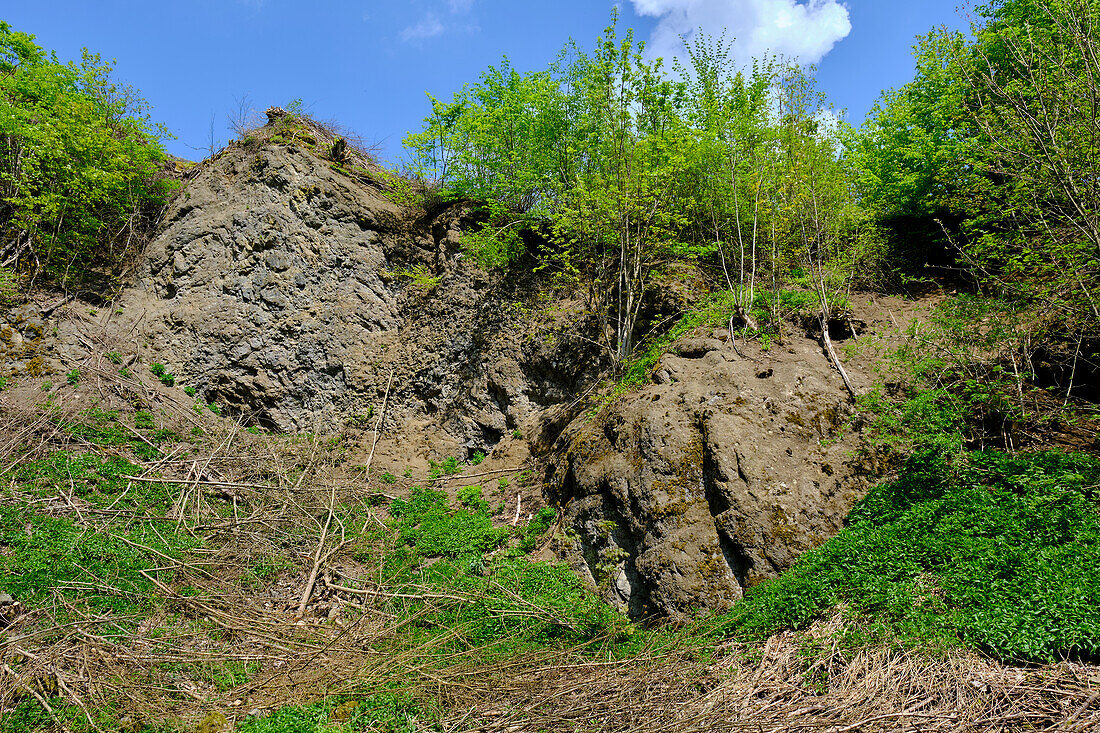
[301, 291]
[294, 290]
[683, 494]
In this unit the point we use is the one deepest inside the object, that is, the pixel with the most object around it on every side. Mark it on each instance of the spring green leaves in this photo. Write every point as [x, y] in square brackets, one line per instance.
[79, 163]
[1001, 553]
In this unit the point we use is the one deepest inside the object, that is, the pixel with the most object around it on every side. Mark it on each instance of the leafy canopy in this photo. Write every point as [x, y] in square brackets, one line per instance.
[79, 162]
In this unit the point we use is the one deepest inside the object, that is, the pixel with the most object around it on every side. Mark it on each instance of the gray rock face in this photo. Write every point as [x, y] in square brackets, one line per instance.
[285, 290]
[682, 495]
[267, 275]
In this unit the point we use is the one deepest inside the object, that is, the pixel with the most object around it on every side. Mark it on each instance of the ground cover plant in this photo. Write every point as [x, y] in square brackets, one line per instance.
[1000, 552]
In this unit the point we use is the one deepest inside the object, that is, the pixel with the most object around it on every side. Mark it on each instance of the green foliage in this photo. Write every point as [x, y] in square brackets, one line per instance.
[630, 169]
[427, 522]
[386, 712]
[496, 243]
[988, 149]
[911, 159]
[542, 521]
[190, 391]
[46, 555]
[961, 377]
[161, 372]
[471, 498]
[114, 357]
[73, 377]
[79, 162]
[423, 282]
[449, 467]
[1001, 553]
[9, 287]
[143, 420]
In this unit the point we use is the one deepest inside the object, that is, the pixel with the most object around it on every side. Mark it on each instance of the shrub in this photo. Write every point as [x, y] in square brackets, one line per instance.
[427, 522]
[80, 170]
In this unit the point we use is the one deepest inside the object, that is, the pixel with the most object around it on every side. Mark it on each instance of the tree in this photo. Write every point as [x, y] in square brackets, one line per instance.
[633, 168]
[1035, 70]
[79, 163]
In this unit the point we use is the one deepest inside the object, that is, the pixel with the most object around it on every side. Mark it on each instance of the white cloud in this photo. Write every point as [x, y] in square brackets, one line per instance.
[802, 30]
[429, 26]
[432, 25]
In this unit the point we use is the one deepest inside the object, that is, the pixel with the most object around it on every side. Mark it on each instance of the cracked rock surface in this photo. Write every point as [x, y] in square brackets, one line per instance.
[680, 496]
[292, 293]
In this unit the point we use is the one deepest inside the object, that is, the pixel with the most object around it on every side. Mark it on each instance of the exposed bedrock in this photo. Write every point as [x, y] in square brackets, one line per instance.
[290, 292]
[680, 496]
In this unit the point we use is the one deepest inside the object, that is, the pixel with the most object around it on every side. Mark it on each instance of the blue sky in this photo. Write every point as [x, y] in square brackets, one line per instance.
[368, 63]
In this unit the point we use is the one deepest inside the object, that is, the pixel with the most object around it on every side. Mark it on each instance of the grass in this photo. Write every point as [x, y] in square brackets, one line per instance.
[500, 597]
[50, 556]
[990, 551]
[393, 712]
[1000, 553]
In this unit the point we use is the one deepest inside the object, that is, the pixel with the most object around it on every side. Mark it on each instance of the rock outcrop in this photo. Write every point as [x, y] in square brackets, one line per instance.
[295, 291]
[680, 496]
[298, 292]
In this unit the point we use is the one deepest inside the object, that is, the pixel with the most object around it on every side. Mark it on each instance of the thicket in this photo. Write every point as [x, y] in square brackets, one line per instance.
[79, 167]
[990, 154]
[983, 167]
[632, 167]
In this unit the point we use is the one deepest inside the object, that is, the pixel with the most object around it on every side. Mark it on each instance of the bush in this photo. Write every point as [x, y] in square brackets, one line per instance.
[79, 166]
[1001, 553]
[427, 523]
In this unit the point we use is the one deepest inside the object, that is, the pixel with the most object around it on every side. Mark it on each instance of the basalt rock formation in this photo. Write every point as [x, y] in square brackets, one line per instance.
[302, 293]
[295, 291]
[680, 496]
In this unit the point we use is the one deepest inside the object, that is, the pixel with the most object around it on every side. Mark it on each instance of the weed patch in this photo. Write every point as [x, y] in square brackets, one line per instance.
[1000, 553]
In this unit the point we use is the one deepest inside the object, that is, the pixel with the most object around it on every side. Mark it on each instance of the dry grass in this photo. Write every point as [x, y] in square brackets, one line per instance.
[219, 637]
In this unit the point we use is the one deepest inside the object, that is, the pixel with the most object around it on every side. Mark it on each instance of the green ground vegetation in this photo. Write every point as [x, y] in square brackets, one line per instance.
[997, 552]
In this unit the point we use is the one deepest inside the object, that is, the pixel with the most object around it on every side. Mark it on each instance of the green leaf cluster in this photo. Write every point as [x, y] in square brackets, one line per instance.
[625, 168]
[990, 156]
[79, 164]
[47, 556]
